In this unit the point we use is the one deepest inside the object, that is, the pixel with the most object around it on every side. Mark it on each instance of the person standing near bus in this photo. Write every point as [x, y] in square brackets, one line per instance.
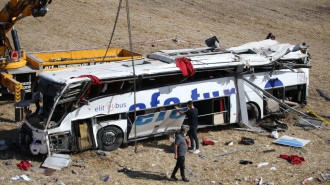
[191, 114]
[180, 150]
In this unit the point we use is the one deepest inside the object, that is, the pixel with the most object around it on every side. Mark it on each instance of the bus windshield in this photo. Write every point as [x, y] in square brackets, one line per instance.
[54, 101]
[44, 94]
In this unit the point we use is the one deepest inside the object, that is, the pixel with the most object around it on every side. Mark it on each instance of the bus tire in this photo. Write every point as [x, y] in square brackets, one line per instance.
[110, 138]
[253, 113]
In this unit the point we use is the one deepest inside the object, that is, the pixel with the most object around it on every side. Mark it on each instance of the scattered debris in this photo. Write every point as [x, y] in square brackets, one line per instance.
[275, 125]
[105, 178]
[273, 168]
[8, 162]
[245, 162]
[293, 159]
[309, 122]
[247, 141]
[202, 155]
[319, 117]
[274, 134]
[262, 164]
[24, 177]
[325, 176]
[15, 178]
[208, 142]
[192, 175]
[236, 151]
[74, 172]
[307, 180]
[244, 129]
[57, 161]
[257, 181]
[124, 170]
[267, 151]
[291, 141]
[229, 143]
[79, 166]
[81, 160]
[323, 95]
[101, 152]
[24, 165]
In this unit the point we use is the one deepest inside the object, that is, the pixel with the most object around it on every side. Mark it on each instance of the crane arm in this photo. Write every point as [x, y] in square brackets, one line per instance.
[14, 11]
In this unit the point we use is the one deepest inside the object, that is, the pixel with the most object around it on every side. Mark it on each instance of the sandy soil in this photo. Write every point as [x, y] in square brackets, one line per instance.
[84, 24]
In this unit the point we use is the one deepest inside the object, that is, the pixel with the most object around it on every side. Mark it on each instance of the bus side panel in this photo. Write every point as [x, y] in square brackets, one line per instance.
[158, 97]
[156, 123]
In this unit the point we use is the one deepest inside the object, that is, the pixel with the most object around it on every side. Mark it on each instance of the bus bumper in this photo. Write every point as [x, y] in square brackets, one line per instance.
[33, 139]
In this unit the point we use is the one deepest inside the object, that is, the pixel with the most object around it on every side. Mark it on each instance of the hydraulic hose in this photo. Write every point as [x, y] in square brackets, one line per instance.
[323, 95]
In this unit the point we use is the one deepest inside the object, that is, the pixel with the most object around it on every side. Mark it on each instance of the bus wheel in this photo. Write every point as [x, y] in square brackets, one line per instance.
[110, 138]
[253, 113]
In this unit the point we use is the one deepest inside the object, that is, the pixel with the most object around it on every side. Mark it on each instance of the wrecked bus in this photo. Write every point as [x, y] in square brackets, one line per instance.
[93, 107]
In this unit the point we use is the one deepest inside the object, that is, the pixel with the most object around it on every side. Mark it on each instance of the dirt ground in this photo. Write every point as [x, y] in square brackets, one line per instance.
[85, 24]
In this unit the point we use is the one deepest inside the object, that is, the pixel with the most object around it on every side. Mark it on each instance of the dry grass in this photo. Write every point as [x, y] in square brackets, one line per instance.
[87, 24]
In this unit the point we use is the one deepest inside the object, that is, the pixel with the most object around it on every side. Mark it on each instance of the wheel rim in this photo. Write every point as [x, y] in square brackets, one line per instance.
[109, 138]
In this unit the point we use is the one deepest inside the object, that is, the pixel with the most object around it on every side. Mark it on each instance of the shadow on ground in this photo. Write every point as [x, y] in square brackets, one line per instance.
[148, 175]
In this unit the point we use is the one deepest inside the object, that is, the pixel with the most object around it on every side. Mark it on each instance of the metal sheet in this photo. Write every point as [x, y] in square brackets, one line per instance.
[57, 161]
[292, 141]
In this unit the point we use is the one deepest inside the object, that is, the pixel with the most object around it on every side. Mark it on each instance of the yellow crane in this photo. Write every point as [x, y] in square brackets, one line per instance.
[14, 57]
[15, 10]
[18, 70]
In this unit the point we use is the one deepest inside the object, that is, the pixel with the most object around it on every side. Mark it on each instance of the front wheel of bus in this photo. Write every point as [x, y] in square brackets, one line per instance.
[110, 138]
[253, 113]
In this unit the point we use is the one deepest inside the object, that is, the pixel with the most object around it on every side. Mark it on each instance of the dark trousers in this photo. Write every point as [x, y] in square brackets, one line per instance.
[193, 137]
[179, 164]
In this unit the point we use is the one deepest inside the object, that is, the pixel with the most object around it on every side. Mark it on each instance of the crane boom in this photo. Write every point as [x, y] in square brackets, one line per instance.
[14, 11]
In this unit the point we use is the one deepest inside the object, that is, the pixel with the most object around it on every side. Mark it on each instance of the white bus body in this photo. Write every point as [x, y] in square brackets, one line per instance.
[77, 115]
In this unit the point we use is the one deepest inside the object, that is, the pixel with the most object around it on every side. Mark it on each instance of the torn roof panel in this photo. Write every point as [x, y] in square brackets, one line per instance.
[163, 61]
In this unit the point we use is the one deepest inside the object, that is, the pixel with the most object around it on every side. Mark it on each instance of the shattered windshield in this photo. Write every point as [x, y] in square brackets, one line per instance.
[54, 101]
[44, 95]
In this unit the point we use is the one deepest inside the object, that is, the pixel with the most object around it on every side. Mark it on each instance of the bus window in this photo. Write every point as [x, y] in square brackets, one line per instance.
[212, 111]
[296, 93]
